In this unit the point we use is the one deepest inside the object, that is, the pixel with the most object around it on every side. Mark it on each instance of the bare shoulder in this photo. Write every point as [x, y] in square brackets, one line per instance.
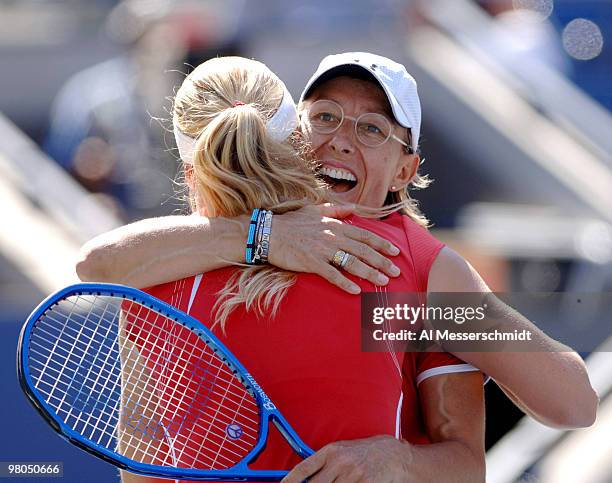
[450, 272]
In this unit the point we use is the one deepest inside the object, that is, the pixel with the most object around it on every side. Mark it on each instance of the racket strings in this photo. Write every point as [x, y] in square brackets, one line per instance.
[69, 375]
[221, 370]
[132, 384]
[253, 411]
[90, 393]
[195, 427]
[104, 368]
[101, 367]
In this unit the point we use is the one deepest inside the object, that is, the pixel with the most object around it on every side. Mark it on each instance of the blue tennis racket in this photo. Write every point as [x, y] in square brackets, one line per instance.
[146, 387]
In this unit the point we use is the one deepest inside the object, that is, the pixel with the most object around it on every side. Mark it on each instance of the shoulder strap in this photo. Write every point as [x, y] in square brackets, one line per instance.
[424, 249]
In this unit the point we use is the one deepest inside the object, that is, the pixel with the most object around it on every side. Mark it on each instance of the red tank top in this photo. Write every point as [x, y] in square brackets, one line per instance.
[308, 358]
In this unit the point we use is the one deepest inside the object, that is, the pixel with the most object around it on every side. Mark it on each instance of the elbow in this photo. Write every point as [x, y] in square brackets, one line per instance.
[476, 469]
[479, 473]
[582, 413]
[91, 266]
[473, 467]
[581, 401]
[586, 411]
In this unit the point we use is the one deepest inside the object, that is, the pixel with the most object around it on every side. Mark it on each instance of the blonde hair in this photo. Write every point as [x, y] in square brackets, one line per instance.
[237, 167]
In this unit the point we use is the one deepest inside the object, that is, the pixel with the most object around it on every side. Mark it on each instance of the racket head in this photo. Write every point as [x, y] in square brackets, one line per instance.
[100, 390]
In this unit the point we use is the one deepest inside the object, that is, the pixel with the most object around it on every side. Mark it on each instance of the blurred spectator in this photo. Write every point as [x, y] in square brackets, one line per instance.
[523, 34]
[101, 129]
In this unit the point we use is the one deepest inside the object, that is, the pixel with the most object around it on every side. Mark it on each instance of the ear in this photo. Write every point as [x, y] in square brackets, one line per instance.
[406, 170]
[189, 176]
[190, 180]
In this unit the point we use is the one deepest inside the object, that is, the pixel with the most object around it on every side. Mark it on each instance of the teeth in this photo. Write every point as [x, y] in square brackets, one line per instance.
[337, 173]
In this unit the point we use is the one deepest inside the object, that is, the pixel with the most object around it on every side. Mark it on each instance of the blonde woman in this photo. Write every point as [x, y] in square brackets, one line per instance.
[558, 393]
[234, 123]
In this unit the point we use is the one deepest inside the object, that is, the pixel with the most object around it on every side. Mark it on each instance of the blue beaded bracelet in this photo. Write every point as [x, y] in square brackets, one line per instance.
[248, 254]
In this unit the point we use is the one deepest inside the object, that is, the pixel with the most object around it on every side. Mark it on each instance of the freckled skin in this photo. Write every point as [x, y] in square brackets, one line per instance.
[377, 169]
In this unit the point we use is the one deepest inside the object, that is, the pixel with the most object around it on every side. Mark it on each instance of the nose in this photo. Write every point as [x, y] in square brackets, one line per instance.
[343, 141]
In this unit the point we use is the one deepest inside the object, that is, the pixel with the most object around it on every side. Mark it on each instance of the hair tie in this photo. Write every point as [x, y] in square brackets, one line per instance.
[238, 103]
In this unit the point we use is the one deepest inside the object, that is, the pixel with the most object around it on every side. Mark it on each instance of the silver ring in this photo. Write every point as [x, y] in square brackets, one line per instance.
[338, 258]
[345, 260]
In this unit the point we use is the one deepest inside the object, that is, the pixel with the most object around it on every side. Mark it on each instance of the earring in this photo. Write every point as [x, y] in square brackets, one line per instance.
[393, 188]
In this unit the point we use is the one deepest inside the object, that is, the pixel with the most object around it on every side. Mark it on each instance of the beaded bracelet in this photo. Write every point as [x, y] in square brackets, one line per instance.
[250, 245]
[257, 239]
[263, 239]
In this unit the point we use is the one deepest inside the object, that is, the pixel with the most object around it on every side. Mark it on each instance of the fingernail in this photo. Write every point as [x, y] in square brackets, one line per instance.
[355, 289]
[394, 250]
[395, 271]
[382, 280]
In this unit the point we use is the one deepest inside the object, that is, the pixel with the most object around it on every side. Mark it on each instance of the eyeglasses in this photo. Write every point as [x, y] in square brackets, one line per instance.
[371, 129]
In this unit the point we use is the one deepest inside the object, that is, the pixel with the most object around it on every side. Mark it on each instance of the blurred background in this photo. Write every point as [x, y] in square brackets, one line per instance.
[517, 135]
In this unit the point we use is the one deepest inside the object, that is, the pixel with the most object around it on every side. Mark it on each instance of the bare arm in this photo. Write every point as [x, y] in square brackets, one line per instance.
[453, 411]
[551, 385]
[159, 250]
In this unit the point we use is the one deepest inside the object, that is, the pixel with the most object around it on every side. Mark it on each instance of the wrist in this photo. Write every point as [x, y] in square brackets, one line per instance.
[276, 240]
[231, 234]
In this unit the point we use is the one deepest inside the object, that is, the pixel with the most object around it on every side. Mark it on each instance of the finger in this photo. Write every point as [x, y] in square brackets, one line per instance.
[337, 472]
[306, 468]
[337, 211]
[361, 270]
[326, 475]
[333, 276]
[372, 239]
[339, 467]
[370, 257]
[351, 477]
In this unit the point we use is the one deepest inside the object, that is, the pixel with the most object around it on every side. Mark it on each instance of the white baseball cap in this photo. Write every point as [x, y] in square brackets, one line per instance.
[399, 86]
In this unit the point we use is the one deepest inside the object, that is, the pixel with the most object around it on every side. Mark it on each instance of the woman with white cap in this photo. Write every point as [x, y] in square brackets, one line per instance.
[367, 161]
